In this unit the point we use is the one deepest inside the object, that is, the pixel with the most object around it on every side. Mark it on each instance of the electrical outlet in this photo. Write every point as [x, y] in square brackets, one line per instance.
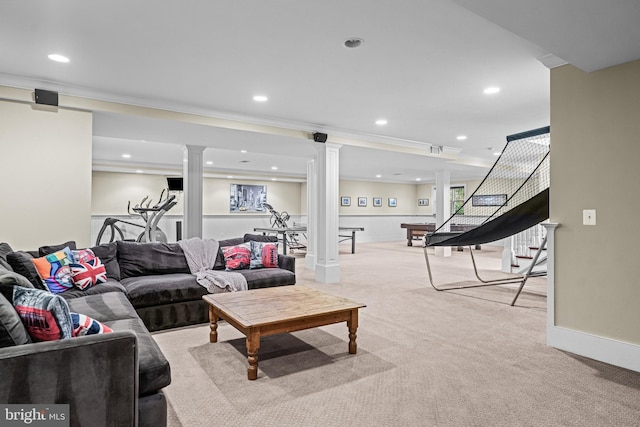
[589, 217]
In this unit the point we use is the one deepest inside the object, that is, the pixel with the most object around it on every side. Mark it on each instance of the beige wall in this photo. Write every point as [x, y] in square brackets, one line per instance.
[111, 192]
[595, 149]
[405, 194]
[45, 171]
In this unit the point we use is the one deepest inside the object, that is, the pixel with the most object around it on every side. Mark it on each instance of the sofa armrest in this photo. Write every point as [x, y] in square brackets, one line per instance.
[96, 375]
[287, 262]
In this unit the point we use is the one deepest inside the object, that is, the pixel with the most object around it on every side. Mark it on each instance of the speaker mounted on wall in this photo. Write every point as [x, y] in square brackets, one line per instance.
[46, 97]
[320, 137]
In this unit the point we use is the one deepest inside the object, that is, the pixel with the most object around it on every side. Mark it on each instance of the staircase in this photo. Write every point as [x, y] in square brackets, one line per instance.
[520, 249]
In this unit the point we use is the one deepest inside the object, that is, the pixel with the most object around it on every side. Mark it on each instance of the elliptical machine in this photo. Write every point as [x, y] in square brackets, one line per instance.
[151, 215]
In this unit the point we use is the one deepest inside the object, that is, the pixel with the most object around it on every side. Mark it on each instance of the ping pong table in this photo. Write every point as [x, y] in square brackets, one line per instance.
[298, 229]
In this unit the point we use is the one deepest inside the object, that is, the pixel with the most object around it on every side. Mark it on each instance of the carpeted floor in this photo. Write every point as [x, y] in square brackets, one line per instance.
[425, 358]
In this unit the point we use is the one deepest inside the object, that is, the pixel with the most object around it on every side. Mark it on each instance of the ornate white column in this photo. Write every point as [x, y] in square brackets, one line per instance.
[192, 186]
[312, 215]
[328, 173]
[443, 206]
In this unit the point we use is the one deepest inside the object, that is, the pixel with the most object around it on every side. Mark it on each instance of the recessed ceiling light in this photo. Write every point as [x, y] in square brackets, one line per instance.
[139, 171]
[275, 168]
[496, 154]
[418, 179]
[58, 58]
[209, 162]
[229, 176]
[260, 98]
[243, 151]
[381, 122]
[491, 90]
[378, 176]
[461, 137]
[126, 156]
[274, 179]
[353, 42]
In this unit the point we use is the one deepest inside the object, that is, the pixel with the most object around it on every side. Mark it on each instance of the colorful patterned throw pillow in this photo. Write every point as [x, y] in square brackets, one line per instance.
[85, 274]
[237, 257]
[85, 325]
[264, 254]
[45, 315]
[54, 269]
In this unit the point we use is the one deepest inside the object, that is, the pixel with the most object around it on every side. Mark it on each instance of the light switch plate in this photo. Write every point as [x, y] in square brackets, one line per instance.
[589, 217]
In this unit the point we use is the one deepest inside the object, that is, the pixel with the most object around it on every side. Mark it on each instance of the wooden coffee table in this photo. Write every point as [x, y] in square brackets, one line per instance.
[262, 312]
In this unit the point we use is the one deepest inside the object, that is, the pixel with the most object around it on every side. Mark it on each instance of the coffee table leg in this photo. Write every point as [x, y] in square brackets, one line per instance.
[352, 324]
[213, 325]
[253, 344]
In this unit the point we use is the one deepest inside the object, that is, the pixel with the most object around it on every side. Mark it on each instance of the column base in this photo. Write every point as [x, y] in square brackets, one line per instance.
[327, 273]
[443, 251]
[310, 262]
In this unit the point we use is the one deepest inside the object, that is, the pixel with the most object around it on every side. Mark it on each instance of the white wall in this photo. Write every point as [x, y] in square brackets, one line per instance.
[45, 174]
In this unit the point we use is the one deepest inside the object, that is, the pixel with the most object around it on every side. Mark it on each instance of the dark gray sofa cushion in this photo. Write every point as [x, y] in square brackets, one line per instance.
[11, 278]
[267, 277]
[154, 370]
[104, 307]
[159, 289]
[175, 315]
[142, 259]
[109, 286]
[94, 375]
[12, 330]
[114, 310]
[260, 238]
[21, 263]
[4, 250]
[49, 249]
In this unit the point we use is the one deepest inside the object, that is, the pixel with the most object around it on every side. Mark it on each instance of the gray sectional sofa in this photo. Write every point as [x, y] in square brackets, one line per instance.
[115, 378]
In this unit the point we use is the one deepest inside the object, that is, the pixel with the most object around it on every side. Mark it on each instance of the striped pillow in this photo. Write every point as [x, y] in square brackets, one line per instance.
[85, 325]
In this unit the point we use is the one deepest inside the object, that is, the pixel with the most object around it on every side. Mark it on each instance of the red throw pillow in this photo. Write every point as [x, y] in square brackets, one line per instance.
[264, 254]
[237, 257]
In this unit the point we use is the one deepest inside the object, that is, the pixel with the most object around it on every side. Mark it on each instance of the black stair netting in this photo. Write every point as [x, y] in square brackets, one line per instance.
[512, 197]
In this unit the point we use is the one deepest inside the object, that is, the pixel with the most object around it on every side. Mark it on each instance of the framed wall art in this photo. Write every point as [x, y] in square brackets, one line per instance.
[489, 200]
[362, 201]
[345, 201]
[393, 202]
[377, 202]
[247, 198]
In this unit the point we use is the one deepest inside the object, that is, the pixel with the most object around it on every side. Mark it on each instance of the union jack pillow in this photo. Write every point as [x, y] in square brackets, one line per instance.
[86, 274]
[85, 325]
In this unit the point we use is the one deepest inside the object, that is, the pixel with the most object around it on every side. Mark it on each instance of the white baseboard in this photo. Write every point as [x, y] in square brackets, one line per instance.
[613, 352]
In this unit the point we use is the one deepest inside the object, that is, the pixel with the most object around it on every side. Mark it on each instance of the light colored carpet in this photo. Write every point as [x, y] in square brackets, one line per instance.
[425, 358]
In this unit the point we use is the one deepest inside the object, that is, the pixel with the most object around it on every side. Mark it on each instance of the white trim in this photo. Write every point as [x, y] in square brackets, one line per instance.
[606, 350]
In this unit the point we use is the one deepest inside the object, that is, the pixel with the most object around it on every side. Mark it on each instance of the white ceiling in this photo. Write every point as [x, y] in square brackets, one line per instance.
[423, 67]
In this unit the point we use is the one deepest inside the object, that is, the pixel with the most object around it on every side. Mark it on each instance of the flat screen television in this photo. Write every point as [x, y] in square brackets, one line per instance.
[174, 183]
